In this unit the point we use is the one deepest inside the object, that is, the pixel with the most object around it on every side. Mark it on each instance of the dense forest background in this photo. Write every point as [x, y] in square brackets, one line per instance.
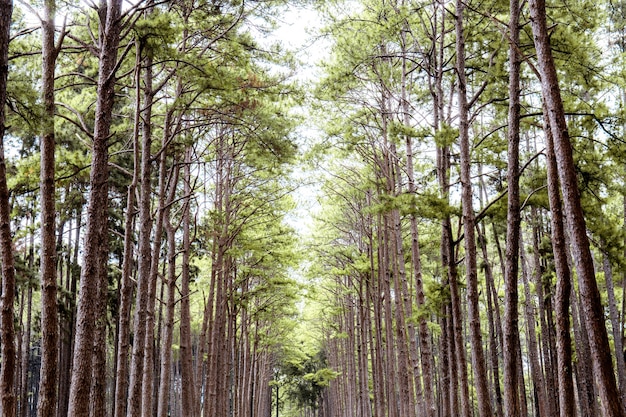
[419, 210]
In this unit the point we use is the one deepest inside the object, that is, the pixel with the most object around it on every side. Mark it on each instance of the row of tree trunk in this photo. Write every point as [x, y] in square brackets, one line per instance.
[116, 321]
[481, 359]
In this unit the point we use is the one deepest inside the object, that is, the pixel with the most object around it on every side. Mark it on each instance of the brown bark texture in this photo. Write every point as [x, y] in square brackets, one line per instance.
[478, 356]
[511, 326]
[94, 267]
[7, 327]
[47, 400]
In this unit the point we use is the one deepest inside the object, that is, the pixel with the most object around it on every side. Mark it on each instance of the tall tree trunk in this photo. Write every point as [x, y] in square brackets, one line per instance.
[141, 320]
[363, 341]
[617, 339]
[25, 358]
[491, 305]
[458, 370]
[164, 398]
[7, 332]
[521, 383]
[407, 346]
[623, 315]
[511, 325]
[563, 286]
[611, 405]
[94, 268]
[47, 401]
[70, 322]
[588, 404]
[186, 354]
[374, 295]
[126, 292]
[543, 288]
[533, 347]
[389, 349]
[478, 357]
[154, 245]
[97, 401]
[424, 338]
[168, 331]
[221, 271]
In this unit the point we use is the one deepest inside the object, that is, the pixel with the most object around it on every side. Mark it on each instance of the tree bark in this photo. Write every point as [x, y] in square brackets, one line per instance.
[67, 335]
[143, 317]
[563, 286]
[47, 400]
[94, 265]
[533, 347]
[168, 331]
[154, 245]
[587, 400]
[424, 337]
[186, 354]
[543, 288]
[7, 332]
[617, 339]
[126, 291]
[97, 400]
[478, 357]
[511, 321]
[25, 357]
[493, 341]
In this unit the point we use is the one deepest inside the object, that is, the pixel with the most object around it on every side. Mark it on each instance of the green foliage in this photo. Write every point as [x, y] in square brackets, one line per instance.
[446, 135]
[156, 30]
[305, 376]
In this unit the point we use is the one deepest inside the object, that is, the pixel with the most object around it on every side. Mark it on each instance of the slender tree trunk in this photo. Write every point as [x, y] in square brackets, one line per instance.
[590, 296]
[533, 348]
[221, 274]
[623, 315]
[168, 331]
[424, 337]
[407, 346]
[478, 357]
[543, 288]
[584, 372]
[142, 317]
[94, 269]
[46, 406]
[458, 369]
[443, 382]
[151, 386]
[126, 292]
[374, 293]
[390, 352]
[563, 286]
[26, 353]
[363, 342]
[97, 402]
[67, 346]
[188, 388]
[7, 332]
[617, 340]
[153, 247]
[493, 342]
[511, 321]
